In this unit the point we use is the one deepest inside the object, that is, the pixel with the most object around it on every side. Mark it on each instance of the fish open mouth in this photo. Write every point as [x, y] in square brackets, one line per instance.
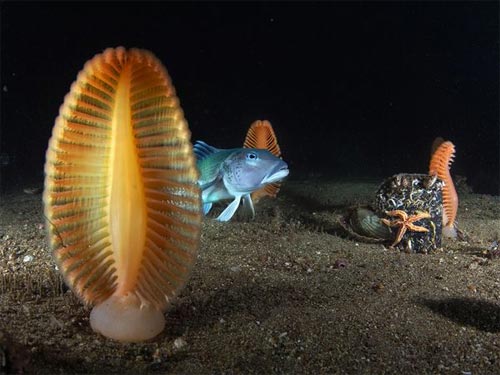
[277, 175]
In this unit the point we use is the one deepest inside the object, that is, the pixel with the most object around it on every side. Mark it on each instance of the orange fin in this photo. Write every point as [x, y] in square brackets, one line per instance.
[121, 197]
[440, 165]
[261, 135]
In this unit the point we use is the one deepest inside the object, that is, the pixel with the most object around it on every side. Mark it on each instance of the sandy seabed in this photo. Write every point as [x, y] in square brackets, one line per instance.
[284, 293]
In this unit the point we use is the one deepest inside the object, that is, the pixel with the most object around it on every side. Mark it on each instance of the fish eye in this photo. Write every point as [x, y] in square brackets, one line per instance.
[252, 156]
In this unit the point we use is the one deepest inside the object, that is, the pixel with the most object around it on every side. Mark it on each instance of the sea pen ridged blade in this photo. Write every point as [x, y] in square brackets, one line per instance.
[76, 186]
[170, 181]
[270, 190]
[261, 135]
[121, 195]
[441, 160]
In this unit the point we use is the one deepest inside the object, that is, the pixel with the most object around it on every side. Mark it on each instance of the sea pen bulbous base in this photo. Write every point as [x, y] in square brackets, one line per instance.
[123, 319]
[449, 231]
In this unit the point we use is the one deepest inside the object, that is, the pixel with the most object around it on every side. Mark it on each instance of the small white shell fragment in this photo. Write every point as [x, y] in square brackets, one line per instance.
[179, 343]
[235, 269]
[28, 258]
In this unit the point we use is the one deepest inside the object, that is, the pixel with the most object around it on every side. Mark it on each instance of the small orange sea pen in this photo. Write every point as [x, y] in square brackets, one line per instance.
[440, 165]
[435, 144]
[261, 135]
[121, 197]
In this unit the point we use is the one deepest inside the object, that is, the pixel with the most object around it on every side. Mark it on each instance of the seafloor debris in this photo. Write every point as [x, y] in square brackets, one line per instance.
[14, 357]
[493, 250]
[33, 190]
[341, 263]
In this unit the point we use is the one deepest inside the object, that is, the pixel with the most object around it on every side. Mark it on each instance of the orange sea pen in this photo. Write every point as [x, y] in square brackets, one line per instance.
[440, 164]
[435, 144]
[261, 135]
[121, 197]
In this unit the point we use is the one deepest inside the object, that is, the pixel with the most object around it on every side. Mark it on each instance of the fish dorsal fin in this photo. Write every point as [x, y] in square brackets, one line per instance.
[209, 161]
[202, 150]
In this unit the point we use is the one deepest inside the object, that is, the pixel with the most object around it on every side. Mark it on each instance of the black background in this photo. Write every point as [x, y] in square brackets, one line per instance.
[352, 89]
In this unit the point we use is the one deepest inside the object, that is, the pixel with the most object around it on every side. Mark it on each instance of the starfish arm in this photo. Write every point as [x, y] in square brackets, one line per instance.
[399, 236]
[399, 213]
[417, 228]
[416, 218]
[423, 214]
[387, 222]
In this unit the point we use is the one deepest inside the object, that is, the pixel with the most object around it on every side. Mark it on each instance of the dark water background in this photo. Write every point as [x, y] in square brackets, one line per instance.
[352, 89]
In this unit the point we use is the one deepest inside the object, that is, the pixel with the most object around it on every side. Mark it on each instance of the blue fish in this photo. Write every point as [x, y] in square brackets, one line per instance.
[234, 174]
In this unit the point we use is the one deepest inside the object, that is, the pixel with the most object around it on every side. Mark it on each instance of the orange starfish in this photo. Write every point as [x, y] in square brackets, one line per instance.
[405, 222]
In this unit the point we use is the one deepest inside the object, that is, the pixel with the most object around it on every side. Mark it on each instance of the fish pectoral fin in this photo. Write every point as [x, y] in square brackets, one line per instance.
[209, 188]
[228, 213]
[206, 208]
[212, 191]
[248, 208]
[210, 172]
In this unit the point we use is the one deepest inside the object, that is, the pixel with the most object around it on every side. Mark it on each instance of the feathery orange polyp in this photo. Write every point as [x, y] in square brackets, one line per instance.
[121, 196]
[440, 166]
[261, 135]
